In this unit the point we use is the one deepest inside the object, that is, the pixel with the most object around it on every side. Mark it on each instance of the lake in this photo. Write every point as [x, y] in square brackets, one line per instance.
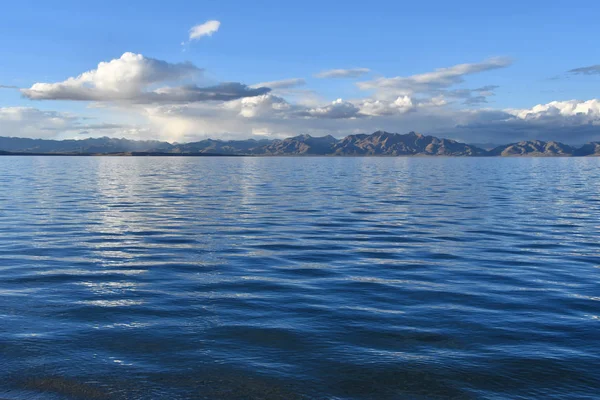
[299, 278]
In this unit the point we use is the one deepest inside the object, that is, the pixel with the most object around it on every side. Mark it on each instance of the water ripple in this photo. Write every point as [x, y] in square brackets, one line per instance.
[283, 278]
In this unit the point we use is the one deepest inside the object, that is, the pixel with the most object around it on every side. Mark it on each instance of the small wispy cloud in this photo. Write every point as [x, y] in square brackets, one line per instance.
[343, 73]
[430, 82]
[555, 78]
[591, 70]
[8, 87]
[282, 84]
[205, 29]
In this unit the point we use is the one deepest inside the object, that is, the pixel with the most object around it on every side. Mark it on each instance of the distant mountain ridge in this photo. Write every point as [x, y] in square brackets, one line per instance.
[379, 143]
[393, 144]
[300, 145]
[533, 148]
[93, 145]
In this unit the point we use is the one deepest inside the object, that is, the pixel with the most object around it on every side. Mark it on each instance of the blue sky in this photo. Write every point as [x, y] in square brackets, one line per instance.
[533, 45]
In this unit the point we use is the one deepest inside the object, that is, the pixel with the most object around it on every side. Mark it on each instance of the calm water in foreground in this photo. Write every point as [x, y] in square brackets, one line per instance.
[294, 278]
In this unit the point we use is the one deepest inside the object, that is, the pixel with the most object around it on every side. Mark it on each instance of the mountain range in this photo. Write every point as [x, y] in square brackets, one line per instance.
[379, 143]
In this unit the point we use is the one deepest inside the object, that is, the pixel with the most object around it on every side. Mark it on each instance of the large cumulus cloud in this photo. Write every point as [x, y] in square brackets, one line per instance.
[133, 78]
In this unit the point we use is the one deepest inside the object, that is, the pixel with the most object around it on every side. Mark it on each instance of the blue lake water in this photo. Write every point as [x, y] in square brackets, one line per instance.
[299, 278]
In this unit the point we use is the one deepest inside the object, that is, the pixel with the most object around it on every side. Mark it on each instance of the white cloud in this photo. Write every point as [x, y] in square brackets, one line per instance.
[401, 105]
[31, 122]
[571, 122]
[265, 105]
[205, 29]
[570, 110]
[131, 78]
[119, 79]
[575, 122]
[440, 79]
[276, 117]
[338, 109]
[282, 84]
[591, 70]
[436, 101]
[226, 91]
[468, 96]
[343, 73]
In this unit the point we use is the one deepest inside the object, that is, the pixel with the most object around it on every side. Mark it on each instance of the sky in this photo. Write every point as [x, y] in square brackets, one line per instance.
[183, 71]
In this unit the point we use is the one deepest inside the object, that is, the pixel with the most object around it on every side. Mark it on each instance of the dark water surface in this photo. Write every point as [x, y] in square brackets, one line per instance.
[294, 278]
